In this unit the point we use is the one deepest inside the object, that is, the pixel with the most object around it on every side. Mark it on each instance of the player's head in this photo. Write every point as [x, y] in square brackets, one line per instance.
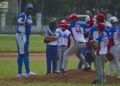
[114, 20]
[53, 25]
[73, 18]
[100, 17]
[101, 27]
[29, 8]
[88, 13]
[108, 25]
[63, 24]
[87, 19]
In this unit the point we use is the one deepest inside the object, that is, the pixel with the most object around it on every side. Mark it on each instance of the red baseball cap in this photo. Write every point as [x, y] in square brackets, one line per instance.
[100, 16]
[63, 24]
[74, 15]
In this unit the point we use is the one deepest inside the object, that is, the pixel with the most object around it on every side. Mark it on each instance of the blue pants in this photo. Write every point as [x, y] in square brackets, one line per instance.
[23, 52]
[51, 57]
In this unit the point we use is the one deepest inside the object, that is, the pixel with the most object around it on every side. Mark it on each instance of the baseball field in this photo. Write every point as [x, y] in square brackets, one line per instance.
[74, 77]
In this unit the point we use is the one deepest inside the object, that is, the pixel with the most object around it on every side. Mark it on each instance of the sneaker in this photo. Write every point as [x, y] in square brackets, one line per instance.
[63, 71]
[21, 75]
[30, 74]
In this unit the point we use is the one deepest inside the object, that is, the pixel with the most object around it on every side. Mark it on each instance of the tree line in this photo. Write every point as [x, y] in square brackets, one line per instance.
[64, 7]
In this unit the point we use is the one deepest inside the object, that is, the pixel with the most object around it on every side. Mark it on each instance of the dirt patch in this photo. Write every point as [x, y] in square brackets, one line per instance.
[72, 76]
[33, 56]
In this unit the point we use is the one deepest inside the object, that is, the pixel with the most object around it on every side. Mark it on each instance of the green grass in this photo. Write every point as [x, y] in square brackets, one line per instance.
[8, 43]
[8, 67]
[8, 70]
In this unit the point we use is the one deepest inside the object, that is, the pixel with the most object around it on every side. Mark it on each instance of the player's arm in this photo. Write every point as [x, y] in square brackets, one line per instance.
[21, 20]
[51, 38]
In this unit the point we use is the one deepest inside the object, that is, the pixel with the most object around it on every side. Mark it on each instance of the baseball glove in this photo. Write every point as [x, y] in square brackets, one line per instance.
[90, 44]
[95, 45]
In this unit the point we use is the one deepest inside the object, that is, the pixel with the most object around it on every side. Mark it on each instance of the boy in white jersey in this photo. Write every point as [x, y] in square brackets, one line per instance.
[115, 47]
[63, 42]
[77, 32]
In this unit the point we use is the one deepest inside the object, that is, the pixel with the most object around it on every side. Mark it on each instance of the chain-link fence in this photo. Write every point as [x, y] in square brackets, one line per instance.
[8, 23]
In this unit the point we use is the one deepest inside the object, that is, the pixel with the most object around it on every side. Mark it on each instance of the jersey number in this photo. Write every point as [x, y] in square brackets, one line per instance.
[78, 30]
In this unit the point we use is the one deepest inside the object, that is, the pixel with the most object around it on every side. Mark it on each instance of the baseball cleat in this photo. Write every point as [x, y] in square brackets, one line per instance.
[30, 74]
[21, 75]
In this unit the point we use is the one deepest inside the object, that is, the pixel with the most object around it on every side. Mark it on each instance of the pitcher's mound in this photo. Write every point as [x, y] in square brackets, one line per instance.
[72, 76]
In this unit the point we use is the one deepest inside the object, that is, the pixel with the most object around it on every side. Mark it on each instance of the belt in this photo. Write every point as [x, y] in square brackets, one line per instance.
[80, 42]
[62, 46]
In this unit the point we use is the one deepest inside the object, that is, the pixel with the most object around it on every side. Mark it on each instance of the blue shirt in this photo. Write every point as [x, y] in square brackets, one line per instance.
[23, 17]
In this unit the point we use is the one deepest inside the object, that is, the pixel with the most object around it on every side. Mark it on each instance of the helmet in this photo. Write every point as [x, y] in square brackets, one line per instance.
[100, 16]
[74, 15]
[101, 26]
[29, 6]
[63, 24]
[63, 21]
[113, 19]
[108, 24]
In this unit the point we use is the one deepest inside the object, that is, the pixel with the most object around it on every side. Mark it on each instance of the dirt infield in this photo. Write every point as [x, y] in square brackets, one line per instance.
[72, 76]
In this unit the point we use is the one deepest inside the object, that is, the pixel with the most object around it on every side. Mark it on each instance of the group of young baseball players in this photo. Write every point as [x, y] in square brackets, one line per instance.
[94, 41]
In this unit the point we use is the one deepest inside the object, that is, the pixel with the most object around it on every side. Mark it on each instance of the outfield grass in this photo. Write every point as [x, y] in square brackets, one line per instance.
[8, 43]
[8, 70]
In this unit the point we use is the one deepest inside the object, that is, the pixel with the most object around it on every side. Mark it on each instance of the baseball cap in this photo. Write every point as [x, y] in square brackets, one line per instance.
[29, 6]
[100, 16]
[114, 19]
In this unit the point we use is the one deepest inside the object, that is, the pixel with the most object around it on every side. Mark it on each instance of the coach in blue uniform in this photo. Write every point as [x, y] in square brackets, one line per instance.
[22, 38]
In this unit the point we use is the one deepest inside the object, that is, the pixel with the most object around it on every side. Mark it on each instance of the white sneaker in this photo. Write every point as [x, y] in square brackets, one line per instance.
[21, 75]
[30, 74]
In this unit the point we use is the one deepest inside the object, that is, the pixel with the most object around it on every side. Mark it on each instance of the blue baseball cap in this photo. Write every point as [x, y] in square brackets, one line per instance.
[29, 6]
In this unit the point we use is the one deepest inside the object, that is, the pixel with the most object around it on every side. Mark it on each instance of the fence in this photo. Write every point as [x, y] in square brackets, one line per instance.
[8, 23]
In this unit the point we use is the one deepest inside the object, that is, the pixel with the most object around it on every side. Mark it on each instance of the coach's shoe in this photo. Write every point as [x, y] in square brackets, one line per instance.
[21, 75]
[30, 74]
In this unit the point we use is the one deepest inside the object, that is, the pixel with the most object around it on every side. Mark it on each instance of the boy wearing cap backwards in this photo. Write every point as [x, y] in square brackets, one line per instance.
[22, 38]
[63, 42]
[115, 46]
